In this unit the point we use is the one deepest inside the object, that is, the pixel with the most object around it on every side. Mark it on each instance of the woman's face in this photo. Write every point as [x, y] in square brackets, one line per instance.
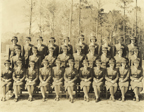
[52, 42]
[57, 63]
[136, 52]
[66, 41]
[14, 41]
[71, 64]
[32, 65]
[133, 41]
[92, 50]
[93, 41]
[120, 52]
[104, 52]
[123, 64]
[98, 65]
[45, 64]
[27, 41]
[78, 51]
[34, 51]
[39, 41]
[18, 52]
[7, 65]
[120, 41]
[51, 51]
[136, 64]
[112, 65]
[85, 64]
[19, 64]
[81, 40]
[65, 51]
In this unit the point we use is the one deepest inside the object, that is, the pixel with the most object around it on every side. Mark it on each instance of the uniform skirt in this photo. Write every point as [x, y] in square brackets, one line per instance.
[97, 84]
[68, 84]
[136, 84]
[84, 83]
[123, 84]
[56, 83]
[6, 83]
[17, 84]
[30, 84]
[109, 84]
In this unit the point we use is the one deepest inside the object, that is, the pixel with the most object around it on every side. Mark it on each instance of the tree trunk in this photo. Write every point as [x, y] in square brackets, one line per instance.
[30, 18]
[70, 25]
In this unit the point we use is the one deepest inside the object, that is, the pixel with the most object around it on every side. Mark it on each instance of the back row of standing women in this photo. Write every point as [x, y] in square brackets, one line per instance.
[65, 61]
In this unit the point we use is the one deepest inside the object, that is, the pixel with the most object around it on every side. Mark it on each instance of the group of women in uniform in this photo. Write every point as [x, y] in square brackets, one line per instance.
[86, 65]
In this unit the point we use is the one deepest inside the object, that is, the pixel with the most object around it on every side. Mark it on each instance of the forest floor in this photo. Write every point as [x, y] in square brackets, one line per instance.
[64, 105]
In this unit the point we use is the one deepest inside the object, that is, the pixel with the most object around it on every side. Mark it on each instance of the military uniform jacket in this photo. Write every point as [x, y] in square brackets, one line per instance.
[132, 58]
[70, 74]
[27, 51]
[104, 60]
[45, 73]
[85, 73]
[56, 49]
[15, 59]
[111, 74]
[123, 73]
[136, 73]
[78, 60]
[58, 74]
[64, 59]
[7, 74]
[36, 59]
[130, 48]
[11, 52]
[110, 51]
[118, 60]
[31, 74]
[118, 46]
[70, 49]
[51, 60]
[84, 48]
[98, 74]
[19, 73]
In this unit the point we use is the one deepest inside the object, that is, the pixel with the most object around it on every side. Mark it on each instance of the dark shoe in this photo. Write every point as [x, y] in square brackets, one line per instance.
[28, 98]
[16, 99]
[110, 98]
[134, 99]
[113, 99]
[123, 99]
[87, 100]
[137, 100]
[31, 98]
[2, 99]
[120, 99]
[44, 99]
[96, 100]
[72, 100]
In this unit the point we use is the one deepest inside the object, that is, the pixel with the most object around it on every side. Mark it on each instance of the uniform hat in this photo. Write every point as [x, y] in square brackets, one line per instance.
[93, 38]
[51, 39]
[39, 38]
[14, 38]
[132, 38]
[112, 60]
[70, 61]
[98, 61]
[7, 61]
[28, 38]
[19, 60]
[137, 60]
[104, 48]
[66, 38]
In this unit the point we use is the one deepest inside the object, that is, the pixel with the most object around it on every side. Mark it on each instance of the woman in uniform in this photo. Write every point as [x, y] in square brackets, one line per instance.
[106, 45]
[111, 79]
[45, 75]
[91, 56]
[52, 44]
[131, 46]
[31, 78]
[17, 57]
[98, 79]
[124, 74]
[118, 57]
[104, 58]
[135, 55]
[36, 58]
[27, 51]
[42, 49]
[82, 44]
[6, 79]
[18, 77]
[119, 45]
[64, 57]
[78, 58]
[85, 75]
[58, 74]
[93, 43]
[70, 76]
[11, 52]
[66, 41]
[51, 57]
[136, 78]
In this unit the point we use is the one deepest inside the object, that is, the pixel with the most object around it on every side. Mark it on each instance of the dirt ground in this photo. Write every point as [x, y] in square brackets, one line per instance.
[65, 106]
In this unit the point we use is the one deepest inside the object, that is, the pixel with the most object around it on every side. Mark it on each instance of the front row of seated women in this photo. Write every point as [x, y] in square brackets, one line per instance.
[111, 77]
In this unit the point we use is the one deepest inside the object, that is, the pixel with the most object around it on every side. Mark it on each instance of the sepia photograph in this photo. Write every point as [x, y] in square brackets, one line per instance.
[72, 56]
